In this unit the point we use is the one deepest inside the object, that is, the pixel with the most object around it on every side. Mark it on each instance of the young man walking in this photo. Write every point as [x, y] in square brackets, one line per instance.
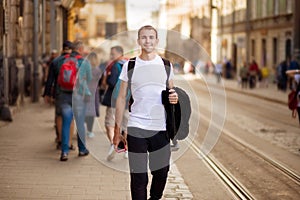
[112, 74]
[147, 137]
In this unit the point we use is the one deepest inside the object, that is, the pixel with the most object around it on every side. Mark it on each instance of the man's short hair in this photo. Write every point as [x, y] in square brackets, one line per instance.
[118, 49]
[147, 27]
[77, 44]
[67, 45]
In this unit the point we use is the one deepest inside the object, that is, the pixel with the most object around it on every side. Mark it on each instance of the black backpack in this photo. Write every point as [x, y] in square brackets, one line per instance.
[178, 115]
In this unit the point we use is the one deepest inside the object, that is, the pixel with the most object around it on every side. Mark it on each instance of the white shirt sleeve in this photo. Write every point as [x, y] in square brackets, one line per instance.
[123, 76]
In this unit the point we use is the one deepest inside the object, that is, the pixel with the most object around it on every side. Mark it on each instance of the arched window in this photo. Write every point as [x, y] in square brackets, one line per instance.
[288, 48]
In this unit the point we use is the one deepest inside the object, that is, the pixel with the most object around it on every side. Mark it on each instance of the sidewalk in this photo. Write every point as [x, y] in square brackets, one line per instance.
[30, 166]
[269, 93]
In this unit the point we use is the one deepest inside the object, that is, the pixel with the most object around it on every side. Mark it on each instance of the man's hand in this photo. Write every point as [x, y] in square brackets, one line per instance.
[173, 96]
[47, 99]
[118, 137]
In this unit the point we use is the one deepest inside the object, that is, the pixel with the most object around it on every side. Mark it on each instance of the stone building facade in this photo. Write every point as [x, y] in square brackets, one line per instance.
[255, 29]
[20, 55]
[191, 19]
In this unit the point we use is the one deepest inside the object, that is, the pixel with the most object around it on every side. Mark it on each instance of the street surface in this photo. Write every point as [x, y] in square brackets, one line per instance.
[265, 125]
[30, 166]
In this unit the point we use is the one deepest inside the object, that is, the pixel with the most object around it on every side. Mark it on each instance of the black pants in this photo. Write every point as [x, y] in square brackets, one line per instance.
[140, 143]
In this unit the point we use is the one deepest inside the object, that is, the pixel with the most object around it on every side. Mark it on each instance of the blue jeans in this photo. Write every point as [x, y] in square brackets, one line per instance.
[79, 109]
[65, 106]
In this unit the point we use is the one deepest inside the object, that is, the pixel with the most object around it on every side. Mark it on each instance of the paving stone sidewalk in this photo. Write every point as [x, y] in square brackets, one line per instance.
[30, 166]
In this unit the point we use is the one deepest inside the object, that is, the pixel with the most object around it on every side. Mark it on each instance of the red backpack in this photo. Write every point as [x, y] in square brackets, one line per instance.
[67, 73]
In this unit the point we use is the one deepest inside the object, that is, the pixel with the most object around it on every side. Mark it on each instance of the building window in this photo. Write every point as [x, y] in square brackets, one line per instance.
[282, 6]
[253, 48]
[258, 9]
[289, 6]
[264, 7]
[270, 7]
[83, 23]
[264, 52]
[253, 10]
[100, 27]
[288, 48]
[276, 9]
[111, 29]
[275, 51]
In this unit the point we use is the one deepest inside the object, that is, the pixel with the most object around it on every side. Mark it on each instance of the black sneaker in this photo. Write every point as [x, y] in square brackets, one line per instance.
[83, 153]
[64, 157]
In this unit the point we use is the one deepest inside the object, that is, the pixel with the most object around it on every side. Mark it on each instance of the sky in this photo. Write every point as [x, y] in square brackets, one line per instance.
[139, 12]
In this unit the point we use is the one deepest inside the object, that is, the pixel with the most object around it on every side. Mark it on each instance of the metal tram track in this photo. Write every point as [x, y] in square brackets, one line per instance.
[239, 191]
[235, 187]
[279, 166]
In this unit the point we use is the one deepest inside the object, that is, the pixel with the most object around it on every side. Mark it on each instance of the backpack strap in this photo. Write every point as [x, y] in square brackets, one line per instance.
[130, 68]
[167, 65]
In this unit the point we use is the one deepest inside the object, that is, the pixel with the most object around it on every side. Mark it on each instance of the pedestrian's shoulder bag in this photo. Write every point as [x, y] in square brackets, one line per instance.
[178, 115]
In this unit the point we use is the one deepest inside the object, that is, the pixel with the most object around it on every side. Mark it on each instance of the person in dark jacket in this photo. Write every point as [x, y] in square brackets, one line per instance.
[50, 91]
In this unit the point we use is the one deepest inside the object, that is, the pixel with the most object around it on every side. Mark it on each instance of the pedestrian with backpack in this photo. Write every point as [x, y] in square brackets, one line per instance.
[66, 72]
[52, 90]
[112, 74]
[147, 138]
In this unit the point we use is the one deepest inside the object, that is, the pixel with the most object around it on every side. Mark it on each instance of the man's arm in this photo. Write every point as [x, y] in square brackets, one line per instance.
[120, 107]
[292, 72]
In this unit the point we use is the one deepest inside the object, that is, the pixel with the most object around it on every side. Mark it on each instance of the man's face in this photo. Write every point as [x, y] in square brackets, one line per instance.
[147, 40]
[114, 54]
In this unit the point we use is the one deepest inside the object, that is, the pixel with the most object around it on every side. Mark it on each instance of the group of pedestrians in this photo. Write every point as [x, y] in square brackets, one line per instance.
[81, 102]
[251, 76]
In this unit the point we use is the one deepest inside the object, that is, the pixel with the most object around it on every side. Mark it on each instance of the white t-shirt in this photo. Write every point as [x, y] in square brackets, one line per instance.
[147, 82]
